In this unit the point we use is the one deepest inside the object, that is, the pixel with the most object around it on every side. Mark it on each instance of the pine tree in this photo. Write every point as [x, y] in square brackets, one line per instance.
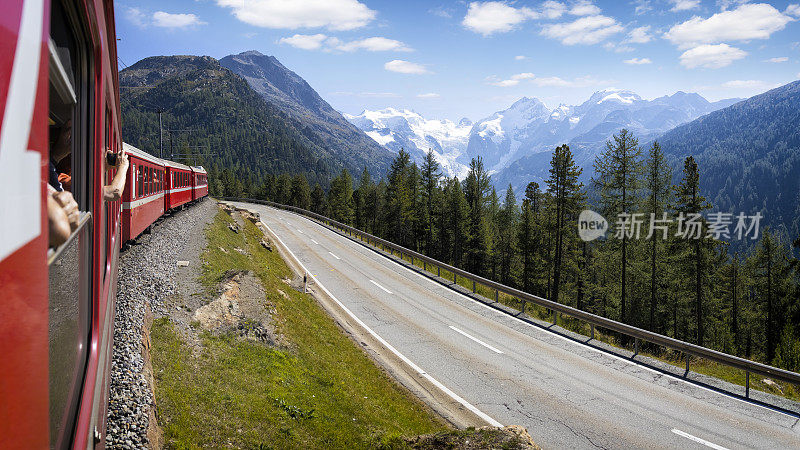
[319, 203]
[617, 180]
[566, 191]
[507, 242]
[400, 200]
[340, 198]
[658, 195]
[431, 176]
[476, 189]
[301, 192]
[528, 234]
[690, 202]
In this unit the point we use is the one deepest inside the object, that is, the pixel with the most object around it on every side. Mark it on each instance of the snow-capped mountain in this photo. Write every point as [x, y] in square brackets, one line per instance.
[515, 143]
[396, 129]
[587, 127]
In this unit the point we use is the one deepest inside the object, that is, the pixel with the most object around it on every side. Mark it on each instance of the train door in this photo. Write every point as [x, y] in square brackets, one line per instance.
[70, 263]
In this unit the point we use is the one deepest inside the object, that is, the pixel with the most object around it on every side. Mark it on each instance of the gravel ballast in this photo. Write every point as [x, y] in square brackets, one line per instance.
[148, 278]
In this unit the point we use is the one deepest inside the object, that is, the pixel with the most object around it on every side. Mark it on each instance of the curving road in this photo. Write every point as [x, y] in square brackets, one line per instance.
[566, 394]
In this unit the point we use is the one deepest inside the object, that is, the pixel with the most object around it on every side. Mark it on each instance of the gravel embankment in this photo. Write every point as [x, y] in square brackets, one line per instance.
[148, 277]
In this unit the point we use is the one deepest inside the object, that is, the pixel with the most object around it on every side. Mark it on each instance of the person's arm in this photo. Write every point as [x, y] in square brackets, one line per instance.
[58, 222]
[113, 191]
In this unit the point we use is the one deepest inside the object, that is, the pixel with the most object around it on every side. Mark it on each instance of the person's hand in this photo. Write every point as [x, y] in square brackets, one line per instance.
[57, 222]
[67, 202]
[122, 160]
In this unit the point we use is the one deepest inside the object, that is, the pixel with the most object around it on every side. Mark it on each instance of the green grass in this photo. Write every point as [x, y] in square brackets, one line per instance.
[697, 365]
[322, 392]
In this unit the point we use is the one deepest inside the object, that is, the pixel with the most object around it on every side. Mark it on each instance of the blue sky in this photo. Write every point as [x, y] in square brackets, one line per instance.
[470, 59]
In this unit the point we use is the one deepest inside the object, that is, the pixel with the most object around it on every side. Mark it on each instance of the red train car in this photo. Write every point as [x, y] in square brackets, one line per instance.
[179, 191]
[143, 200]
[59, 106]
[199, 183]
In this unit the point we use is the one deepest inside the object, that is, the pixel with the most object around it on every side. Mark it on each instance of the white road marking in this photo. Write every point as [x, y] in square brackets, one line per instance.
[299, 231]
[564, 338]
[389, 347]
[315, 242]
[334, 255]
[476, 340]
[698, 440]
[376, 284]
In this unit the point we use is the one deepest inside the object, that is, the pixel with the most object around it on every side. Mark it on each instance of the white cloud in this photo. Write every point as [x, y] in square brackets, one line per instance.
[749, 21]
[487, 18]
[401, 66]
[304, 41]
[167, 20]
[374, 44]
[428, 95]
[515, 80]
[640, 35]
[584, 8]
[136, 17]
[586, 30]
[638, 61]
[711, 56]
[520, 57]
[290, 14]
[322, 41]
[512, 81]
[780, 59]
[552, 9]
[793, 10]
[642, 6]
[751, 84]
[684, 5]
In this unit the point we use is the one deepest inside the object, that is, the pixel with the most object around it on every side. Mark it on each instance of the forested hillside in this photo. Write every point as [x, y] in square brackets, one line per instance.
[750, 156]
[210, 111]
[673, 276]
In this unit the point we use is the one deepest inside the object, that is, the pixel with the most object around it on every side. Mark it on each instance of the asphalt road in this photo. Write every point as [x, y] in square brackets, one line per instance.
[566, 394]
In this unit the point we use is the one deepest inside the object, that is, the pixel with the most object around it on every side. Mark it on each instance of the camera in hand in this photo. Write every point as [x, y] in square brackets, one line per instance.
[111, 159]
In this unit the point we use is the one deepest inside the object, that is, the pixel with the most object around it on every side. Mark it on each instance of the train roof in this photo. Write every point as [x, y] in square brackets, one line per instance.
[131, 150]
[199, 169]
[175, 165]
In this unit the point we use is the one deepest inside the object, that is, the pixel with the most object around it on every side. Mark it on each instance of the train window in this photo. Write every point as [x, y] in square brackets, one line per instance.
[140, 181]
[70, 169]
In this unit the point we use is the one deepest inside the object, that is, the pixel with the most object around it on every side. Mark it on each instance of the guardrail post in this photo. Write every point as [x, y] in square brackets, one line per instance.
[524, 303]
[747, 384]
[636, 346]
[687, 364]
[555, 317]
[592, 326]
[425, 265]
[455, 280]
[473, 286]
[412, 260]
[496, 296]
[438, 271]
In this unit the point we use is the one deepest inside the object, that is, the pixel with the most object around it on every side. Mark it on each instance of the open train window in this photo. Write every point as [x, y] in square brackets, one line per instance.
[70, 112]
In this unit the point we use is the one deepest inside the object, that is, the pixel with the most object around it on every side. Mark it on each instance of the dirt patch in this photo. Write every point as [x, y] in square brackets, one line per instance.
[241, 308]
[512, 437]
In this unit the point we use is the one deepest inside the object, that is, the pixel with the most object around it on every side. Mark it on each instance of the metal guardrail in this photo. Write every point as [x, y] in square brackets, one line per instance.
[638, 334]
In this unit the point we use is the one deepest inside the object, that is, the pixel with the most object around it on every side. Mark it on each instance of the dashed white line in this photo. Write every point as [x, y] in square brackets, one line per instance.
[698, 440]
[315, 242]
[376, 284]
[476, 340]
[299, 231]
[334, 255]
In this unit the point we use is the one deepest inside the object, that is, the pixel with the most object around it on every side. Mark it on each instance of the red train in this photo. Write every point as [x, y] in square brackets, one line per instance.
[59, 107]
[155, 186]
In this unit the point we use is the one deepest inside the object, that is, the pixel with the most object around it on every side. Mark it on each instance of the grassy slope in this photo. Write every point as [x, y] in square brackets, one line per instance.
[323, 393]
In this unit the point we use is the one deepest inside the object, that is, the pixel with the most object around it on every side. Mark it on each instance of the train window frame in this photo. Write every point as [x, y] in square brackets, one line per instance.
[71, 79]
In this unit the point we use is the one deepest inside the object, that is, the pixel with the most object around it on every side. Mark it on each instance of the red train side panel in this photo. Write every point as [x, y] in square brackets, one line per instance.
[58, 70]
[199, 183]
[143, 201]
[179, 191]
